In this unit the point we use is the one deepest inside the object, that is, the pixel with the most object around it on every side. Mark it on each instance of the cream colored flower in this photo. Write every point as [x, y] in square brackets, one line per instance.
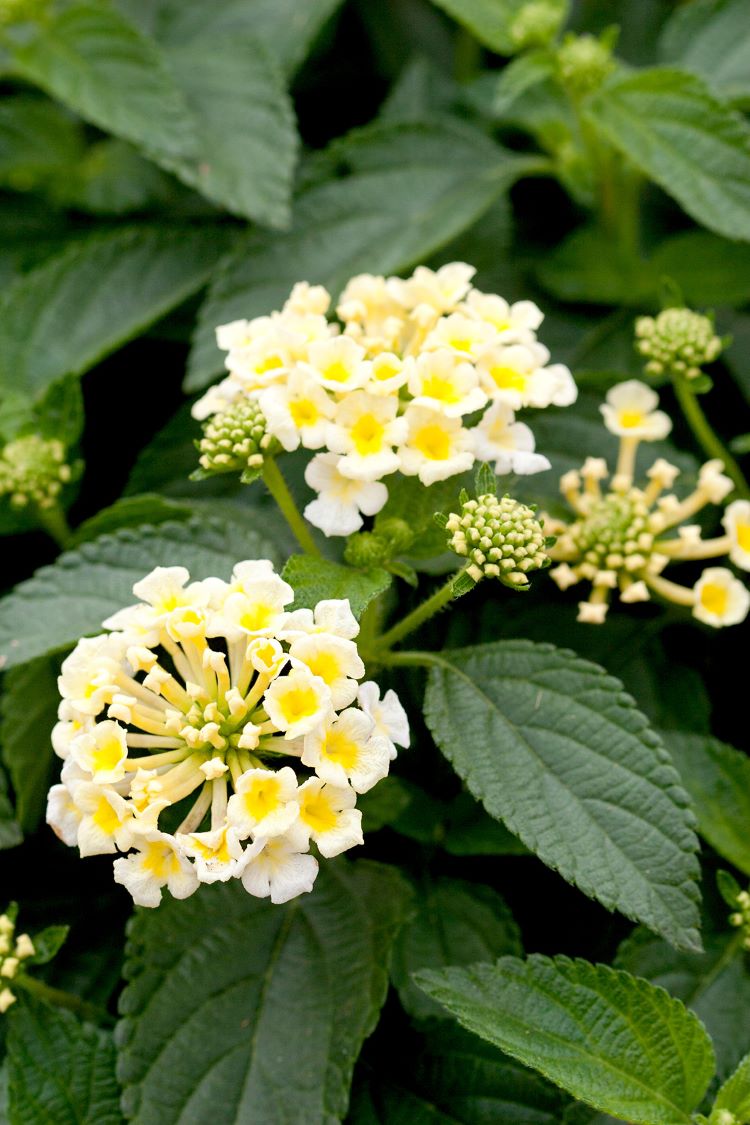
[341, 500]
[720, 598]
[630, 411]
[436, 447]
[736, 520]
[364, 430]
[441, 381]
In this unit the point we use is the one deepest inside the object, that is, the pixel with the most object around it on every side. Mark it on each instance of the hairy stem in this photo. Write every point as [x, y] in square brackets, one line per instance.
[437, 601]
[62, 999]
[278, 488]
[708, 440]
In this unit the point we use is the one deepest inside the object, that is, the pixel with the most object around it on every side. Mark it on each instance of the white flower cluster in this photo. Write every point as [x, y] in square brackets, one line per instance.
[178, 728]
[420, 376]
[14, 949]
[621, 538]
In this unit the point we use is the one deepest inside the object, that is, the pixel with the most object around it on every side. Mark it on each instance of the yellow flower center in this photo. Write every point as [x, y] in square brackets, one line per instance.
[159, 860]
[715, 598]
[298, 703]
[367, 434]
[262, 797]
[337, 372]
[340, 749]
[257, 616]
[743, 536]
[270, 363]
[441, 389]
[107, 755]
[325, 665]
[386, 370]
[105, 818]
[508, 378]
[433, 442]
[303, 412]
[316, 812]
[629, 419]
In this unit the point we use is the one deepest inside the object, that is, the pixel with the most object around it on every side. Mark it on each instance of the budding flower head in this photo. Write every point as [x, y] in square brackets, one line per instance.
[584, 61]
[677, 342]
[536, 24]
[235, 440]
[33, 470]
[14, 949]
[499, 537]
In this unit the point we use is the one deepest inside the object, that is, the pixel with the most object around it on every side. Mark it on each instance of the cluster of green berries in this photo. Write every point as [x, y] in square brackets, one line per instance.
[235, 439]
[583, 62]
[741, 916]
[13, 950]
[616, 529]
[677, 341]
[33, 470]
[536, 24]
[500, 538]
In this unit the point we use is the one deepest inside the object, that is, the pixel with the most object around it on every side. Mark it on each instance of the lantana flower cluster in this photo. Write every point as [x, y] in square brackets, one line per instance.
[215, 734]
[419, 376]
[622, 536]
[14, 950]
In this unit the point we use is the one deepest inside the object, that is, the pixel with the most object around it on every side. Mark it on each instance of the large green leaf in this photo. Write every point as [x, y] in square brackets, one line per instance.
[314, 580]
[455, 923]
[610, 1039]
[494, 22]
[28, 711]
[101, 66]
[676, 131]
[68, 313]
[717, 777]
[72, 597]
[711, 38]
[59, 1070]
[554, 748]
[714, 984]
[38, 141]
[396, 194]
[264, 1007]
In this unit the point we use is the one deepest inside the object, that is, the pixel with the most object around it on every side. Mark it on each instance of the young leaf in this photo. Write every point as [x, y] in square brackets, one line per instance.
[47, 944]
[455, 923]
[59, 1069]
[95, 62]
[675, 130]
[67, 314]
[72, 597]
[717, 777]
[714, 984]
[711, 38]
[554, 748]
[316, 579]
[396, 194]
[289, 994]
[649, 1060]
[28, 711]
[734, 1095]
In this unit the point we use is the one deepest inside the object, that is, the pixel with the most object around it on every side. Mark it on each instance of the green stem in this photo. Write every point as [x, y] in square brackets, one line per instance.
[56, 525]
[467, 56]
[62, 999]
[277, 486]
[408, 659]
[709, 441]
[442, 596]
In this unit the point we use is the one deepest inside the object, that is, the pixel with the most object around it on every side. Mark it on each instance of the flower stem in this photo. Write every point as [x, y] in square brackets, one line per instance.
[62, 999]
[277, 486]
[709, 441]
[437, 601]
[55, 524]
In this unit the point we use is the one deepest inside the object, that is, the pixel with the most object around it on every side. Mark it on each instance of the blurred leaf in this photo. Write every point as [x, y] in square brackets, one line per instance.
[314, 580]
[28, 712]
[455, 923]
[99, 65]
[112, 178]
[67, 314]
[383, 804]
[493, 22]
[399, 193]
[470, 831]
[588, 266]
[422, 91]
[674, 129]
[711, 38]
[709, 271]
[38, 141]
[131, 511]
[521, 75]
[47, 944]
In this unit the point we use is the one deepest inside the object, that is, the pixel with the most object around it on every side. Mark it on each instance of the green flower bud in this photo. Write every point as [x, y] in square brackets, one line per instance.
[235, 439]
[536, 24]
[366, 549]
[583, 62]
[677, 341]
[499, 538]
[33, 470]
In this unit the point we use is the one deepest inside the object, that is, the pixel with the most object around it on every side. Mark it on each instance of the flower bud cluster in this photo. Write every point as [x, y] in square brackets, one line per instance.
[390, 537]
[234, 439]
[741, 916]
[499, 537]
[33, 470]
[420, 376]
[242, 722]
[620, 537]
[536, 24]
[14, 949]
[583, 62]
[677, 341]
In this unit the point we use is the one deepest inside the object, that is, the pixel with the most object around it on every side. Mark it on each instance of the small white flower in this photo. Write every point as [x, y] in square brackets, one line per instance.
[297, 411]
[630, 411]
[511, 322]
[510, 444]
[104, 815]
[63, 815]
[216, 399]
[436, 447]
[71, 724]
[341, 501]
[388, 374]
[463, 335]
[275, 868]
[347, 751]
[218, 853]
[327, 816]
[720, 598]
[156, 864]
[365, 429]
[335, 660]
[256, 611]
[88, 676]
[332, 615]
[441, 381]
[713, 482]
[515, 374]
[441, 289]
[338, 364]
[297, 702]
[306, 299]
[264, 802]
[736, 520]
[102, 751]
[387, 714]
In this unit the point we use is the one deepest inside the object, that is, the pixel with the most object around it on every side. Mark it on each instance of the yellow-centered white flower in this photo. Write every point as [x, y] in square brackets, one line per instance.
[736, 520]
[630, 411]
[720, 598]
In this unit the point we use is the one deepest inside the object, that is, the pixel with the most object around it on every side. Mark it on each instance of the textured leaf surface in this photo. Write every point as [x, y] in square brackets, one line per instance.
[717, 777]
[711, 38]
[677, 132]
[99, 65]
[59, 1070]
[554, 748]
[288, 993]
[314, 579]
[611, 1040]
[28, 711]
[455, 923]
[714, 984]
[67, 314]
[71, 598]
[734, 1095]
[38, 140]
[399, 193]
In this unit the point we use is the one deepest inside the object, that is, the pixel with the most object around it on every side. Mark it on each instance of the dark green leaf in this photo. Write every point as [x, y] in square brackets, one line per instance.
[383, 804]
[314, 580]
[28, 712]
[711, 38]
[554, 748]
[47, 944]
[131, 511]
[708, 270]
[289, 994]
[649, 1061]
[38, 141]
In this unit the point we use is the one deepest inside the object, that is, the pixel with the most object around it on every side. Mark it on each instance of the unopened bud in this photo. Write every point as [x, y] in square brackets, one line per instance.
[677, 341]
